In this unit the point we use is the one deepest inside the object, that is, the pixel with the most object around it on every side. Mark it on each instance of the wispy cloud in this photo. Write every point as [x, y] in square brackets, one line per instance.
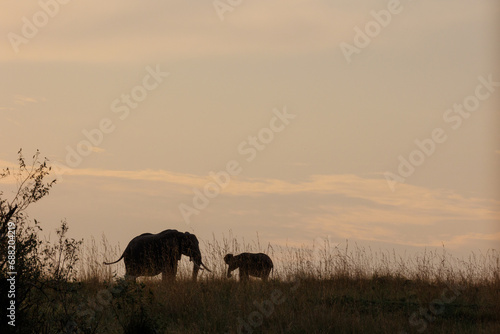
[19, 100]
[96, 149]
[188, 180]
[411, 204]
[23, 100]
[343, 206]
[252, 28]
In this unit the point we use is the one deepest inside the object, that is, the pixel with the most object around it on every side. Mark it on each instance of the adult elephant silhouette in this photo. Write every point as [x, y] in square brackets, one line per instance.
[150, 254]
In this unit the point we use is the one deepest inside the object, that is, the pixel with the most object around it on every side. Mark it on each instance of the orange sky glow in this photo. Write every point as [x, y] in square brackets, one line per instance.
[374, 122]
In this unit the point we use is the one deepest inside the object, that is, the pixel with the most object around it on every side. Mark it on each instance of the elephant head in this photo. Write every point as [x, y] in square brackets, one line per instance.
[232, 263]
[189, 246]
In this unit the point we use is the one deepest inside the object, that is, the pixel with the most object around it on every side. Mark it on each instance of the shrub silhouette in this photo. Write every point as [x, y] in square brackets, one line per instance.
[41, 268]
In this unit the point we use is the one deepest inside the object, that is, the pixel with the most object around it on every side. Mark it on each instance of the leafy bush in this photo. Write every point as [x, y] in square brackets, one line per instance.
[42, 269]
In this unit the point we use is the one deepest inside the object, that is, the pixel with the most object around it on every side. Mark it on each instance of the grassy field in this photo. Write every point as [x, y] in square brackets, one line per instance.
[342, 305]
[322, 289]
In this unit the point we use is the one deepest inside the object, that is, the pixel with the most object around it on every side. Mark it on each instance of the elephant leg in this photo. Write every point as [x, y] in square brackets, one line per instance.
[129, 272]
[168, 273]
[243, 275]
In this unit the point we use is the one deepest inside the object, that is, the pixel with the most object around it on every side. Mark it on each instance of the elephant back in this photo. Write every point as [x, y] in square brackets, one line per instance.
[153, 251]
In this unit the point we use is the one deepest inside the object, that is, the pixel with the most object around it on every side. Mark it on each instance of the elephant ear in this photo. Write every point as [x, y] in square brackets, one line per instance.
[177, 248]
[185, 242]
[190, 240]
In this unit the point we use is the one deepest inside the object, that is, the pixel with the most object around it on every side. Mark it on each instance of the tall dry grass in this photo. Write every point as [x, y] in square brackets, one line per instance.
[317, 261]
[93, 254]
[321, 288]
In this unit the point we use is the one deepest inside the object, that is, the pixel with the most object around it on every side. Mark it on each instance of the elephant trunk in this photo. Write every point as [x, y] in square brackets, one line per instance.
[196, 268]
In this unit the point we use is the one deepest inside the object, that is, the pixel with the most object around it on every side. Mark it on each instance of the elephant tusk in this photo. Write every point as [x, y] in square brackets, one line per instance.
[206, 268]
[198, 266]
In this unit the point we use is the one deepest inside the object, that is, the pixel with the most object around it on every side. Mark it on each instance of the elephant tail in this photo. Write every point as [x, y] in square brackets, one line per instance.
[108, 263]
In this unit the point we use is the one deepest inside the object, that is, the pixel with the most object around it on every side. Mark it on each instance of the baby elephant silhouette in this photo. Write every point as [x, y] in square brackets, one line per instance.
[257, 265]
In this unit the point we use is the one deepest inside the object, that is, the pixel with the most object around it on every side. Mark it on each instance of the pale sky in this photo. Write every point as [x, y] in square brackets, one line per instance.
[268, 90]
